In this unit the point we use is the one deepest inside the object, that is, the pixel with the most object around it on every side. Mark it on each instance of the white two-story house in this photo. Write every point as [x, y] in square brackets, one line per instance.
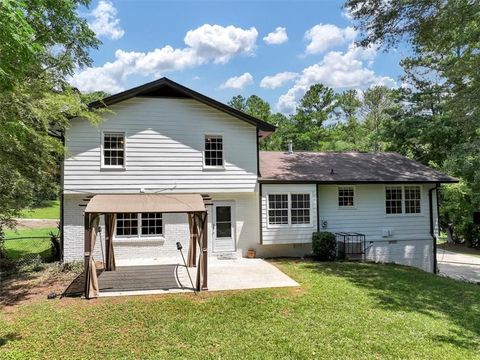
[163, 138]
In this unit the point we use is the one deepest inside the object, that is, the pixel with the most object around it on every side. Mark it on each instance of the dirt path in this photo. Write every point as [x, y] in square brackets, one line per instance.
[36, 223]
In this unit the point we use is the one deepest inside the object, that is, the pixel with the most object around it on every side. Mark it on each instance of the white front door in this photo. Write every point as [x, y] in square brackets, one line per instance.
[223, 227]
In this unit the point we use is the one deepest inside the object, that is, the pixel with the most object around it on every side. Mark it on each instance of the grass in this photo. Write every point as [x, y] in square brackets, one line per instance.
[18, 248]
[50, 211]
[341, 310]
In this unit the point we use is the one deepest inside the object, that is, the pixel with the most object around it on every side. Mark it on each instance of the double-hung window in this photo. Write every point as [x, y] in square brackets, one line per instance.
[213, 152]
[113, 150]
[346, 196]
[139, 225]
[401, 199]
[289, 209]
[278, 209]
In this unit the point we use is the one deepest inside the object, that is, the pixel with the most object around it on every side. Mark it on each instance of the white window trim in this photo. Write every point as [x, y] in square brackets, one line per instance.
[354, 197]
[421, 213]
[289, 200]
[102, 159]
[213, 167]
[139, 235]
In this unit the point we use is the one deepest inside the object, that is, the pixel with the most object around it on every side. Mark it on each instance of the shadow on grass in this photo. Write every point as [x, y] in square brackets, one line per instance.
[9, 337]
[403, 289]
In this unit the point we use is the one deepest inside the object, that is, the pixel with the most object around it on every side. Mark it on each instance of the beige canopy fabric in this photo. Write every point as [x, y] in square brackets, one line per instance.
[131, 203]
[91, 281]
[109, 205]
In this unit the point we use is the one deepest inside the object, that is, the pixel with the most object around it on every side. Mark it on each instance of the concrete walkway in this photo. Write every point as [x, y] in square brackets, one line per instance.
[161, 278]
[458, 266]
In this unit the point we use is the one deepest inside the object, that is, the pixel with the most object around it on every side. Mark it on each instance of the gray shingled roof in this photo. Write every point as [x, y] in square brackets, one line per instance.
[349, 167]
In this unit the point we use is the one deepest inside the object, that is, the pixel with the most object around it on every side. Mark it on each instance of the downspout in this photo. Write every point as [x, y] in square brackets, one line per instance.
[260, 212]
[318, 208]
[62, 199]
[432, 232]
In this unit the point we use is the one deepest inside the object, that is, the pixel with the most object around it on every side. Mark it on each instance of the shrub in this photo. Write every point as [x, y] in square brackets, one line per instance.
[324, 246]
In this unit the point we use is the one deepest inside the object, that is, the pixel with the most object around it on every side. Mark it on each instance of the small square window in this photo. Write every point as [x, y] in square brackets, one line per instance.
[346, 196]
[213, 154]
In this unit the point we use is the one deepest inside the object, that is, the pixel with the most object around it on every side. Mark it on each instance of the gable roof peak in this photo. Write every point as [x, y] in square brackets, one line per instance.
[164, 87]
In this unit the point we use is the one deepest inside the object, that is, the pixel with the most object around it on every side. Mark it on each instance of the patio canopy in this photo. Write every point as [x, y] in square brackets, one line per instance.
[128, 203]
[110, 205]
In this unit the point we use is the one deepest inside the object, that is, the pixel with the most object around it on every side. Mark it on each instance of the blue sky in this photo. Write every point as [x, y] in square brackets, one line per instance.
[223, 48]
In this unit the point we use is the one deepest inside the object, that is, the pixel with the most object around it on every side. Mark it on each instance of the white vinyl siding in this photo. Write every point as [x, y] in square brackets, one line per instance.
[299, 233]
[369, 216]
[165, 141]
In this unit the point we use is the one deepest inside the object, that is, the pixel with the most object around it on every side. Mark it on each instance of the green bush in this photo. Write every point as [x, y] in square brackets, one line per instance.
[324, 246]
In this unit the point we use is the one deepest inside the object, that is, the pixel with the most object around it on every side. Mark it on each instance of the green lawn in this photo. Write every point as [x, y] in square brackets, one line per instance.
[341, 311]
[18, 248]
[50, 211]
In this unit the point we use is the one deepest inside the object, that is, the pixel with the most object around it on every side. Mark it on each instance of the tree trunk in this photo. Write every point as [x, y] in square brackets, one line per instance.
[450, 239]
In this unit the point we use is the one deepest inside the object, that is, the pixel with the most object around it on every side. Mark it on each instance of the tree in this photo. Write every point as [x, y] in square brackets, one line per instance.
[439, 123]
[315, 107]
[41, 43]
[377, 104]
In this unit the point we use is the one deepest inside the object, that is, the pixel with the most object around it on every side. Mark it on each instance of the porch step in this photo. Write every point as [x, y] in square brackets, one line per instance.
[226, 256]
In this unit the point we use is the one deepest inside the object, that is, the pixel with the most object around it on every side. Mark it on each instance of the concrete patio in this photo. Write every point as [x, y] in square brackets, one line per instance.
[223, 274]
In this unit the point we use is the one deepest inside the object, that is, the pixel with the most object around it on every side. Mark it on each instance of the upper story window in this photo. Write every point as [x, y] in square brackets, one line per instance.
[213, 154]
[403, 199]
[289, 209]
[346, 196]
[113, 149]
[139, 224]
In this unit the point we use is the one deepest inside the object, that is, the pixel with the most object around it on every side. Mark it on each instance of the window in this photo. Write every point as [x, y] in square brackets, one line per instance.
[412, 200]
[288, 209]
[278, 209]
[113, 149]
[346, 196]
[300, 208]
[152, 224]
[139, 224]
[127, 224]
[403, 199]
[213, 150]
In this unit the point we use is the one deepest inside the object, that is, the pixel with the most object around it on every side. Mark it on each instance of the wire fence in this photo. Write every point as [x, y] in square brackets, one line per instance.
[23, 250]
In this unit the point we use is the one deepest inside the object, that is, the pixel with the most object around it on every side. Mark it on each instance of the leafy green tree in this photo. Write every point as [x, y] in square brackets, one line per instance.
[439, 122]
[315, 107]
[41, 42]
[377, 106]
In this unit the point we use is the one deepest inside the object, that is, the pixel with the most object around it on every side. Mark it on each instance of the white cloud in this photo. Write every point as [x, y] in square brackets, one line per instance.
[238, 82]
[277, 80]
[350, 69]
[105, 21]
[208, 43]
[322, 37]
[279, 36]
